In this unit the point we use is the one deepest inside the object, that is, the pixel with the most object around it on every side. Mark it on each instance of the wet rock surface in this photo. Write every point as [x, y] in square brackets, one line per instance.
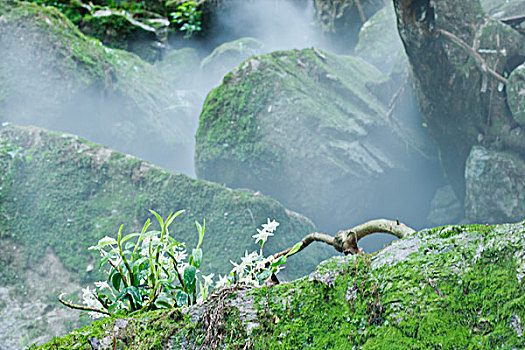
[495, 183]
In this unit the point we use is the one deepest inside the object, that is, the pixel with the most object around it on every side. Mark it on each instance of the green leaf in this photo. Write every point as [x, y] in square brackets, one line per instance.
[104, 242]
[133, 295]
[159, 218]
[189, 278]
[172, 217]
[130, 236]
[182, 298]
[196, 257]
[163, 304]
[263, 276]
[279, 262]
[295, 249]
[200, 231]
[115, 280]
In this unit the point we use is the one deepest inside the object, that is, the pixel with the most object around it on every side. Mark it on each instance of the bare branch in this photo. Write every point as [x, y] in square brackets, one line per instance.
[481, 63]
[80, 307]
[345, 241]
[305, 242]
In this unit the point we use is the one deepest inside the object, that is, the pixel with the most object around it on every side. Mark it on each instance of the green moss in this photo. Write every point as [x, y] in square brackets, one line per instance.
[73, 193]
[464, 293]
[116, 98]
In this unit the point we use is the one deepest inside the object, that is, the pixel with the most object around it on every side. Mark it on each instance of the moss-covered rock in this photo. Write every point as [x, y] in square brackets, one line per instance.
[61, 194]
[305, 127]
[516, 94]
[503, 8]
[181, 67]
[450, 287]
[341, 21]
[379, 42]
[229, 55]
[53, 76]
[118, 29]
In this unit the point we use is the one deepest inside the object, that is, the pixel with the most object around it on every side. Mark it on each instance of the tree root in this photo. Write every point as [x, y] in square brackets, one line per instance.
[345, 241]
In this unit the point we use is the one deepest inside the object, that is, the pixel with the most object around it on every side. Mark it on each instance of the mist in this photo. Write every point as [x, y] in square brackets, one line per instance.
[106, 111]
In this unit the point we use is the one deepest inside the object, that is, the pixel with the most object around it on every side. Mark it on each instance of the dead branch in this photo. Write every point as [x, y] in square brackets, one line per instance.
[80, 307]
[480, 62]
[345, 241]
[395, 99]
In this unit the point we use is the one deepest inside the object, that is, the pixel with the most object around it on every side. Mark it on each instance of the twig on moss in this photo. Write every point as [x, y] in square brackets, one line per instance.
[434, 285]
[345, 241]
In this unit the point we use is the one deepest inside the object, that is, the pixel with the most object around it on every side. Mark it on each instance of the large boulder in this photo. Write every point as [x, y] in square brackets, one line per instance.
[446, 288]
[60, 194]
[379, 42]
[305, 127]
[503, 8]
[229, 55]
[53, 76]
[119, 29]
[495, 186]
[461, 60]
[516, 95]
[341, 21]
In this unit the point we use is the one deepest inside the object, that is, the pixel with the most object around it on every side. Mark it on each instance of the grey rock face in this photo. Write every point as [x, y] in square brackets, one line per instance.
[495, 183]
[445, 207]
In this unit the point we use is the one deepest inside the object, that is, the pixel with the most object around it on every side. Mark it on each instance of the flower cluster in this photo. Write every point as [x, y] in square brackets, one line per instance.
[151, 270]
[254, 268]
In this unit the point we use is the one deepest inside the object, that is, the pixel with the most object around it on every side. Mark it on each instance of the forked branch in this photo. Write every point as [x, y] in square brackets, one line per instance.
[345, 241]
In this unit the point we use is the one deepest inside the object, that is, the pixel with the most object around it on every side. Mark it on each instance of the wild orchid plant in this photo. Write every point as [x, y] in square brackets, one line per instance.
[148, 270]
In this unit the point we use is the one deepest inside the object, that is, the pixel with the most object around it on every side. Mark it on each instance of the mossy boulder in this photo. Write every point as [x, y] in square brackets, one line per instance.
[60, 194]
[229, 55]
[305, 127]
[449, 287]
[516, 95]
[341, 21]
[118, 29]
[379, 42]
[503, 8]
[53, 76]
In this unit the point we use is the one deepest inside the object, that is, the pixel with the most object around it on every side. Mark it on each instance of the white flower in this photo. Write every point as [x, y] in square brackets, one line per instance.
[238, 268]
[248, 259]
[89, 299]
[208, 280]
[262, 235]
[102, 285]
[261, 264]
[223, 280]
[248, 280]
[180, 255]
[270, 226]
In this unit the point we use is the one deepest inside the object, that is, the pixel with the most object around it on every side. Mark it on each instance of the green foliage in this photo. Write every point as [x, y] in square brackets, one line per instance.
[188, 17]
[146, 271]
